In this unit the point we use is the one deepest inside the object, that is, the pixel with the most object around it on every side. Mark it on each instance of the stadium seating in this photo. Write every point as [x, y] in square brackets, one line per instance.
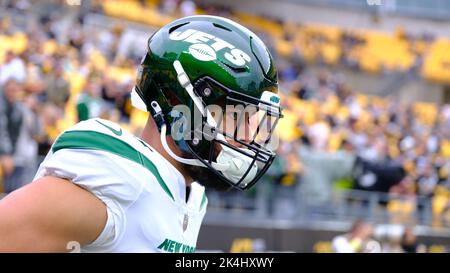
[379, 51]
[437, 62]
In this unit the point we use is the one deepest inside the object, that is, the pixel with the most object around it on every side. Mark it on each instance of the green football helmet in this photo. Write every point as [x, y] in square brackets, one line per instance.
[198, 62]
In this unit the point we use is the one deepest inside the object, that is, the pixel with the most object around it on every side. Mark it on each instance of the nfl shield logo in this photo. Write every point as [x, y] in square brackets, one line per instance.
[185, 222]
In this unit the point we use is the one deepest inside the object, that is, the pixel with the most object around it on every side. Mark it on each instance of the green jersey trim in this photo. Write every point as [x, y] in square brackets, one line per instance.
[203, 200]
[92, 140]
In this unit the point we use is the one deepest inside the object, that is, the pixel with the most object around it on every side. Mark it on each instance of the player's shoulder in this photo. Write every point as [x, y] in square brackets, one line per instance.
[101, 134]
[98, 125]
[104, 135]
[100, 156]
[105, 141]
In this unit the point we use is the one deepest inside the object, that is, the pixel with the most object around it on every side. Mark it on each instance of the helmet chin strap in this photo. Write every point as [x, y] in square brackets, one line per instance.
[232, 164]
[193, 162]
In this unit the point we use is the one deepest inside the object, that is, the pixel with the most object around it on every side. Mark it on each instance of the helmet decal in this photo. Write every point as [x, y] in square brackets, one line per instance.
[204, 46]
[202, 52]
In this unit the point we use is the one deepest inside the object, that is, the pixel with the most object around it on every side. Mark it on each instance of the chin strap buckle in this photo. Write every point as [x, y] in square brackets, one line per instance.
[158, 116]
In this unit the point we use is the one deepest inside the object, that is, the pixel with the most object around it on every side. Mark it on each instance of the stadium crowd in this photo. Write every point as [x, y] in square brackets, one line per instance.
[58, 71]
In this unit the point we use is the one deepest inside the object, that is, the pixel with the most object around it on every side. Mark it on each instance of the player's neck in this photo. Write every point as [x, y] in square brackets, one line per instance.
[151, 135]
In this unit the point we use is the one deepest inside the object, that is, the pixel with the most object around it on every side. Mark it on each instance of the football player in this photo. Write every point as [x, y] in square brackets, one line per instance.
[109, 191]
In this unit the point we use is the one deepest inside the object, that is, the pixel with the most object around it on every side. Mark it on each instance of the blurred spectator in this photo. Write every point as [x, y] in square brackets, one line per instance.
[187, 8]
[300, 90]
[319, 133]
[58, 89]
[409, 242]
[378, 176]
[108, 41]
[49, 117]
[11, 117]
[169, 6]
[390, 237]
[90, 104]
[18, 126]
[320, 170]
[19, 5]
[358, 240]
[12, 68]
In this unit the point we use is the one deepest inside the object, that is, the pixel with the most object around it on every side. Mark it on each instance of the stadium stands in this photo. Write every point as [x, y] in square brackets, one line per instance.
[416, 135]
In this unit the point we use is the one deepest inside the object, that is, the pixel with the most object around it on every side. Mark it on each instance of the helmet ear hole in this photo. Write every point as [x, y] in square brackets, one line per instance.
[207, 91]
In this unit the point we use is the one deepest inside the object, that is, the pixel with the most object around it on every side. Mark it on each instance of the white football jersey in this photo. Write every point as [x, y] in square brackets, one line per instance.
[144, 194]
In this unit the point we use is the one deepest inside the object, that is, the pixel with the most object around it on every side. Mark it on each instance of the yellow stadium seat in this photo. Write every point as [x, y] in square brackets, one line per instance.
[16, 43]
[121, 74]
[260, 23]
[445, 148]
[152, 3]
[384, 50]
[134, 11]
[334, 142]
[401, 211]
[76, 82]
[49, 47]
[19, 42]
[331, 53]
[329, 32]
[98, 60]
[331, 105]
[425, 112]
[138, 118]
[439, 203]
[436, 66]
[113, 8]
[284, 48]
[287, 128]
